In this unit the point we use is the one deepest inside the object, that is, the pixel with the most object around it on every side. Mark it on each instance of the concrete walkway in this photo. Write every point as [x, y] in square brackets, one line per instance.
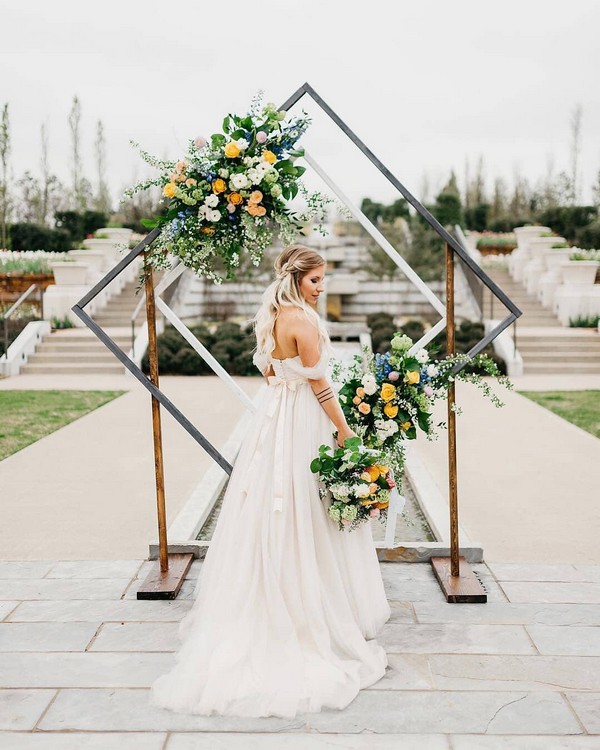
[528, 481]
[521, 672]
[87, 490]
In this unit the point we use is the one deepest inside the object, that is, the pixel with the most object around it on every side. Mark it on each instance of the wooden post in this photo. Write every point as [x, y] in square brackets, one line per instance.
[156, 423]
[457, 580]
[452, 471]
[164, 582]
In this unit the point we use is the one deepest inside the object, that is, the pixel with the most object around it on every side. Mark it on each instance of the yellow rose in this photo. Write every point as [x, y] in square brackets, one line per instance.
[364, 408]
[219, 186]
[208, 230]
[390, 410]
[388, 391]
[406, 426]
[382, 505]
[412, 377]
[368, 501]
[232, 150]
[365, 476]
[255, 197]
[373, 472]
[170, 189]
[269, 156]
[236, 199]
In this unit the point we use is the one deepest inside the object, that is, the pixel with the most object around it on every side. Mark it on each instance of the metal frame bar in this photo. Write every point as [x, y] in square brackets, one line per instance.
[455, 246]
[129, 364]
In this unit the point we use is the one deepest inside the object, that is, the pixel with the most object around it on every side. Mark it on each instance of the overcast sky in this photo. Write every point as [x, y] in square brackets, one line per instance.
[426, 85]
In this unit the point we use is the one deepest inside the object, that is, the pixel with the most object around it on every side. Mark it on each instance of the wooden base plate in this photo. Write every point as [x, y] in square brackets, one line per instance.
[159, 585]
[465, 587]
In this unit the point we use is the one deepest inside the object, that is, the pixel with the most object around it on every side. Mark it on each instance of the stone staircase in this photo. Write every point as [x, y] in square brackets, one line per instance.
[78, 351]
[547, 347]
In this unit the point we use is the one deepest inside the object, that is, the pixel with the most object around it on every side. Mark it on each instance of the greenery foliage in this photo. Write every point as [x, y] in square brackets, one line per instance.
[80, 225]
[32, 237]
[230, 344]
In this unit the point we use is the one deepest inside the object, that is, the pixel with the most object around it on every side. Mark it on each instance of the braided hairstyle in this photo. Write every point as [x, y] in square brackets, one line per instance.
[291, 265]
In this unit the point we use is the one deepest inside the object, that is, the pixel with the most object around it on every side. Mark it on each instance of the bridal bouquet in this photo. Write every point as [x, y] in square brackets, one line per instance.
[359, 484]
[229, 190]
[394, 397]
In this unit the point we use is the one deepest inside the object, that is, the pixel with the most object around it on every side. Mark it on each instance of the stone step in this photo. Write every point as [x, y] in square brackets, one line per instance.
[64, 358]
[537, 322]
[117, 321]
[558, 367]
[53, 338]
[48, 347]
[566, 343]
[74, 369]
[550, 356]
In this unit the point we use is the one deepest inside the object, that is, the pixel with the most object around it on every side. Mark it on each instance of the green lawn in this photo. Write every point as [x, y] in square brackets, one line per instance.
[26, 416]
[582, 408]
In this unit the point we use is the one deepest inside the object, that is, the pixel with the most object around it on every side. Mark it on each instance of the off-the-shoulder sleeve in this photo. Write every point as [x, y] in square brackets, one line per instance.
[316, 371]
[261, 361]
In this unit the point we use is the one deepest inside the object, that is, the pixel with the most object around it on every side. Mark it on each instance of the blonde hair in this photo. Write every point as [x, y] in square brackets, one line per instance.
[291, 265]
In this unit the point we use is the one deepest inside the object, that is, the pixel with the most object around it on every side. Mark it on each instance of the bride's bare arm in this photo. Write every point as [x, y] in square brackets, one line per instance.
[307, 341]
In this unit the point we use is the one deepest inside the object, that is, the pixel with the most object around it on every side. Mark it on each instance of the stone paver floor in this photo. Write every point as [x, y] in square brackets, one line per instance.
[79, 651]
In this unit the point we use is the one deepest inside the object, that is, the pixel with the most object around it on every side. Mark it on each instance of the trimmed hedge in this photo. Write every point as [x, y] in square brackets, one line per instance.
[467, 334]
[231, 345]
[32, 237]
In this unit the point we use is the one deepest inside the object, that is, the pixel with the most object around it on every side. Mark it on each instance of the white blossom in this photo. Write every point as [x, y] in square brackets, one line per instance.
[240, 181]
[362, 490]
[211, 200]
[422, 356]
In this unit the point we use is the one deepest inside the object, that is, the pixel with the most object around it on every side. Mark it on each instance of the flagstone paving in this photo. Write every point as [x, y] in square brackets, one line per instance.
[78, 653]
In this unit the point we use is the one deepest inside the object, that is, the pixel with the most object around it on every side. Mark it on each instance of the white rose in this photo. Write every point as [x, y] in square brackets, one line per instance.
[432, 371]
[369, 384]
[242, 144]
[211, 200]
[362, 490]
[214, 215]
[254, 176]
[422, 356]
[391, 426]
[240, 181]
[202, 211]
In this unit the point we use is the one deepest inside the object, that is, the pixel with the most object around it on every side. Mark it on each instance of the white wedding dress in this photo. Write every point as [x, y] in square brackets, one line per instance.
[287, 606]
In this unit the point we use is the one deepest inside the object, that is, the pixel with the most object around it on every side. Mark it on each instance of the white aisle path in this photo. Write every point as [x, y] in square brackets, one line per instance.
[528, 481]
[87, 490]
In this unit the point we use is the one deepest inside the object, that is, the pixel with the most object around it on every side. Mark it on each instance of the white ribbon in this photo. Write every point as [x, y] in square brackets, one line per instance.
[395, 507]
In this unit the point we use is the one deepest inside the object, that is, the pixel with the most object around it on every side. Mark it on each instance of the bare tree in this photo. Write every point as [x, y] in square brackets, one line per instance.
[575, 151]
[499, 199]
[79, 197]
[102, 200]
[46, 176]
[596, 190]
[4, 164]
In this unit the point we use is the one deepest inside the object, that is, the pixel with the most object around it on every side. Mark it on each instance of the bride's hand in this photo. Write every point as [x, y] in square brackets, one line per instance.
[343, 434]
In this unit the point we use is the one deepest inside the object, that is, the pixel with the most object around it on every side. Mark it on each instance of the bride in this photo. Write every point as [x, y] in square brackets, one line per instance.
[286, 606]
